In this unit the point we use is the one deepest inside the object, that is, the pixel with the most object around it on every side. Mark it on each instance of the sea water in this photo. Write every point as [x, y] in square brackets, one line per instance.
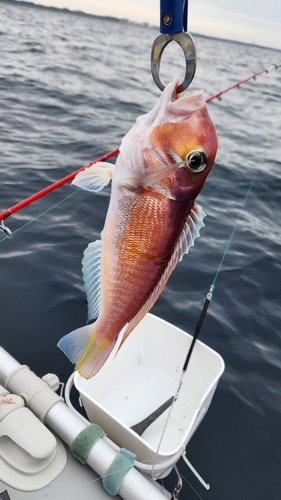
[71, 86]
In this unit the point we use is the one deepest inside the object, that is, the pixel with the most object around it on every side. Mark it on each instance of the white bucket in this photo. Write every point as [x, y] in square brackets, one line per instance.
[143, 375]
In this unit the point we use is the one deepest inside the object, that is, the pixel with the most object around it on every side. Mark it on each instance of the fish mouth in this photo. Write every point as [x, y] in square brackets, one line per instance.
[182, 104]
[173, 106]
[138, 143]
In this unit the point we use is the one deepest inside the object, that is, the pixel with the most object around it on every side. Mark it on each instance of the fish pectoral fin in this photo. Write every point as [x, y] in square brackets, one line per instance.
[92, 278]
[164, 191]
[86, 349]
[156, 175]
[94, 178]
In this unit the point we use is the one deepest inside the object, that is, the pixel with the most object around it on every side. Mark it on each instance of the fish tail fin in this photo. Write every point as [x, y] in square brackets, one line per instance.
[87, 350]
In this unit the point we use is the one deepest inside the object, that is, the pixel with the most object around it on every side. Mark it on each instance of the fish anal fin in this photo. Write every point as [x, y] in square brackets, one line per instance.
[94, 178]
[92, 279]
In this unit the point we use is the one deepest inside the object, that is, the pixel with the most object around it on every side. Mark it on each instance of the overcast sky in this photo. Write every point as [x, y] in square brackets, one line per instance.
[252, 21]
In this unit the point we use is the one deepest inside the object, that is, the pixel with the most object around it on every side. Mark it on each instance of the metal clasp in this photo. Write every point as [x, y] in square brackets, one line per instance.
[173, 27]
[178, 488]
[186, 42]
[5, 230]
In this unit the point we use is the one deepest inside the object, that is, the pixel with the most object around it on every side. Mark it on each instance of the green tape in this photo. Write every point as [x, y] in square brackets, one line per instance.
[122, 463]
[85, 440]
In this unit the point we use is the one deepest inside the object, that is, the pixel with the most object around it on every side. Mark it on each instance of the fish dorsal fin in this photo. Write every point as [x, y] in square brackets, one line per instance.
[92, 279]
[190, 232]
[94, 178]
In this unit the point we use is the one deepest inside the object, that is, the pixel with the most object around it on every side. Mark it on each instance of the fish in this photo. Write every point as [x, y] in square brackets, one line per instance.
[151, 222]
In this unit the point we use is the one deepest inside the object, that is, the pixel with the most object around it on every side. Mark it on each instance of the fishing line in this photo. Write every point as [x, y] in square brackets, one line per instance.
[189, 484]
[43, 213]
[68, 387]
[212, 287]
[192, 487]
[88, 482]
[209, 295]
[18, 206]
[78, 487]
[242, 208]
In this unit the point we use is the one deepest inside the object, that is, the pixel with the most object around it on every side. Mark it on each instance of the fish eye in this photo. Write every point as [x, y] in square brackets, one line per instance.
[196, 160]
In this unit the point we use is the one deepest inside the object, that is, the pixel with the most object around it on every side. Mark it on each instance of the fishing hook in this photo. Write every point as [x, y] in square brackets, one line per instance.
[5, 230]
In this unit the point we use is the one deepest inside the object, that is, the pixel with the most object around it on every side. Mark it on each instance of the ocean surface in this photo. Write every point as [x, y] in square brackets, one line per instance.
[71, 86]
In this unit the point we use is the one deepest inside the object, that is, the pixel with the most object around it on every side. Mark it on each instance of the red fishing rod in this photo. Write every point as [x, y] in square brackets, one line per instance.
[18, 206]
[9, 211]
[237, 85]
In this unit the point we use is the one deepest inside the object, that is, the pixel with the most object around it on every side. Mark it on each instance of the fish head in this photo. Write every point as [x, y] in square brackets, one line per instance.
[174, 145]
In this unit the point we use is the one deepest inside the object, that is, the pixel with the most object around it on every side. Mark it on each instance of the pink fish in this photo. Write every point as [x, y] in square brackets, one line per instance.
[151, 222]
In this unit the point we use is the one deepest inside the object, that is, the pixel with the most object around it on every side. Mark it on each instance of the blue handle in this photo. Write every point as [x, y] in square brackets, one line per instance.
[173, 16]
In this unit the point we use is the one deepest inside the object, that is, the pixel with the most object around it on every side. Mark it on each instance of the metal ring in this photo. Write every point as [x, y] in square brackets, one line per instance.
[186, 42]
